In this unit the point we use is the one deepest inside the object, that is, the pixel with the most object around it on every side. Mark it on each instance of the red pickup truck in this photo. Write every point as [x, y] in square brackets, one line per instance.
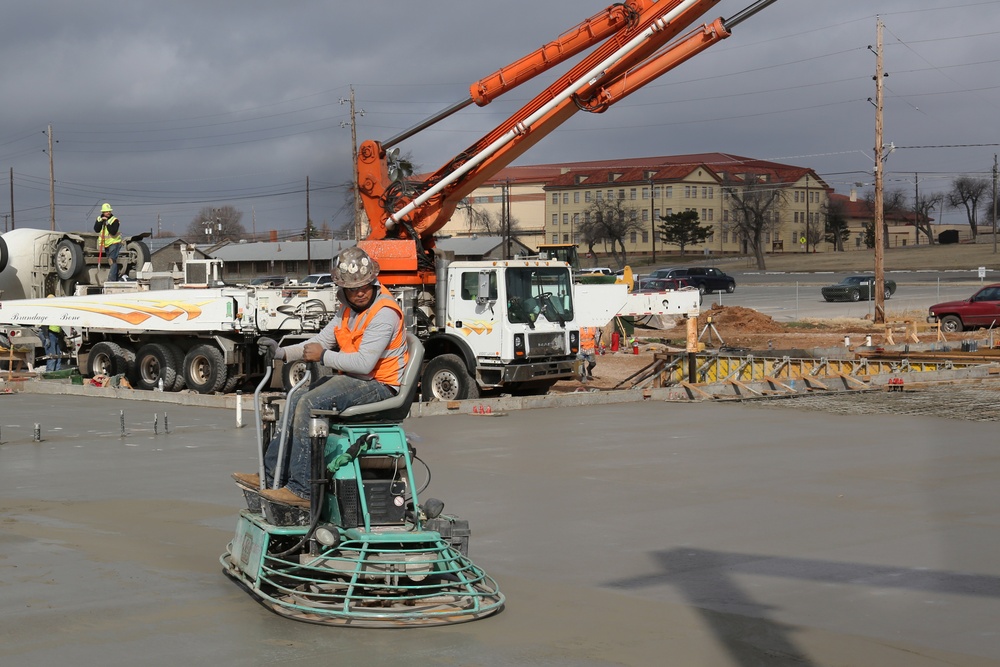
[982, 309]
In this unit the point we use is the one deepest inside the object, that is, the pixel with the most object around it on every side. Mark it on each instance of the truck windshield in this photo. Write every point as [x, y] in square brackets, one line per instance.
[534, 292]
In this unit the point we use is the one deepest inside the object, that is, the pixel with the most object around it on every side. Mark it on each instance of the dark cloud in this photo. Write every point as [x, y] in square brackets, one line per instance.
[164, 108]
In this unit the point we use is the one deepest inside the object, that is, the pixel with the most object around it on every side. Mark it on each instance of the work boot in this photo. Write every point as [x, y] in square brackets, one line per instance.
[285, 496]
[248, 480]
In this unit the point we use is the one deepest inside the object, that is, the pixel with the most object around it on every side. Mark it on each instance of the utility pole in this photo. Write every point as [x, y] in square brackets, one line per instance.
[652, 220]
[808, 236]
[916, 207]
[52, 186]
[994, 203]
[879, 214]
[12, 197]
[358, 211]
[309, 261]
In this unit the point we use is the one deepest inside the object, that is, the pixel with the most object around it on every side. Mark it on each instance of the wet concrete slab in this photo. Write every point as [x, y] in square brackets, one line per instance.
[631, 534]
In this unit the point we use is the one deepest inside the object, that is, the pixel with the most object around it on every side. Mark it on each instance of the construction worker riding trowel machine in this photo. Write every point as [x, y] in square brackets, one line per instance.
[366, 552]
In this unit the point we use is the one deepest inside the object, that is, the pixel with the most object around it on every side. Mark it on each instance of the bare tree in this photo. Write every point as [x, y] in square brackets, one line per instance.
[967, 192]
[922, 214]
[893, 204]
[213, 225]
[508, 228]
[753, 201]
[609, 220]
[836, 228]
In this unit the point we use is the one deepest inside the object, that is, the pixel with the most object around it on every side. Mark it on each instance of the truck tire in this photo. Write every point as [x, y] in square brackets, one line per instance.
[446, 379]
[179, 357]
[205, 369]
[4, 254]
[292, 372]
[952, 324]
[155, 362]
[68, 259]
[134, 256]
[106, 358]
[730, 288]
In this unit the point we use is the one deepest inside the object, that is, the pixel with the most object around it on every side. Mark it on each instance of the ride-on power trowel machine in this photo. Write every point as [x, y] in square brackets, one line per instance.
[366, 552]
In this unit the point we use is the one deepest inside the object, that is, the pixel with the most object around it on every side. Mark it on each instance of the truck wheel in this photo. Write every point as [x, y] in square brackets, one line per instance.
[205, 369]
[292, 372]
[69, 259]
[730, 288]
[106, 358]
[155, 362]
[952, 324]
[233, 379]
[179, 365]
[446, 379]
[134, 257]
[67, 287]
[4, 254]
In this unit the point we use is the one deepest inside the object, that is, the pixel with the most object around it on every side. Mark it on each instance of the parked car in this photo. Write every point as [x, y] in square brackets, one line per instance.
[602, 270]
[705, 278]
[269, 281]
[317, 279]
[857, 288]
[982, 309]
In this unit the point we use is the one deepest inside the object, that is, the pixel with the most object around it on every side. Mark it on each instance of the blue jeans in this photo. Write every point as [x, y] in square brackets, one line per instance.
[339, 392]
[113, 251]
[50, 341]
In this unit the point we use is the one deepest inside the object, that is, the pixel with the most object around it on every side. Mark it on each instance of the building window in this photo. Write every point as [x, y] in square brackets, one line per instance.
[645, 193]
[555, 238]
[669, 192]
[611, 195]
[576, 196]
[687, 192]
[565, 238]
[576, 219]
[725, 236]
[656, 214]
[586, 196]
[621, 194]
[576, 237]
[586, 217]
[565, 197]
[555, 219]
[632, 238]
[670, 211]
[555, 197]
[645, 237]
[632, 194]
[645, 215]
[599, 195]
[565, 218]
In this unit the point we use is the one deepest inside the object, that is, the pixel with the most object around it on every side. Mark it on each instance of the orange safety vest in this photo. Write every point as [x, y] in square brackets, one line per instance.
[588, 339]
[389, 368]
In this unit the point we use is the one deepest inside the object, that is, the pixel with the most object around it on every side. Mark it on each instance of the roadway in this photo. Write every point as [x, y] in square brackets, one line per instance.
[794, 296]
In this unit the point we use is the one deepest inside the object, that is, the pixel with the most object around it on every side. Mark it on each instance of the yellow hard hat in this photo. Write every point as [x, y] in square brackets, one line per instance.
[106, 208]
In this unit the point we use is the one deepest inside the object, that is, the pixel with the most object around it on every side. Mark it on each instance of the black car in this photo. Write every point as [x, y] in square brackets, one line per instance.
[705, 278]
[857, 288]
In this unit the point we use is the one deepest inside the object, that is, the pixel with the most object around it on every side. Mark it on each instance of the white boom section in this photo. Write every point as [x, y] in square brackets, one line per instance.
[596, 305]
[225, 309]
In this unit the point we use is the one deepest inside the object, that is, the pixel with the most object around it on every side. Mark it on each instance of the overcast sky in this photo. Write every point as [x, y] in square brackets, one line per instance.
[163, 108]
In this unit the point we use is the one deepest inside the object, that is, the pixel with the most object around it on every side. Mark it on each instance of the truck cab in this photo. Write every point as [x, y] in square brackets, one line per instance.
[504, 325]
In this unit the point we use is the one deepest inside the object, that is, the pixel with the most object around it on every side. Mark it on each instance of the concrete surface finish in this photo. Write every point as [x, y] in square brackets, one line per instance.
[633, 534]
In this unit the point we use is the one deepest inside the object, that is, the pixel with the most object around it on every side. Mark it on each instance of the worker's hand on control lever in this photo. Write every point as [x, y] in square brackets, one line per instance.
[268, 348]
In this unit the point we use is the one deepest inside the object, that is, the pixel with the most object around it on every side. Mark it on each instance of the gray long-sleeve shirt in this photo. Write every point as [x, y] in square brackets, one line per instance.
[376, 338]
